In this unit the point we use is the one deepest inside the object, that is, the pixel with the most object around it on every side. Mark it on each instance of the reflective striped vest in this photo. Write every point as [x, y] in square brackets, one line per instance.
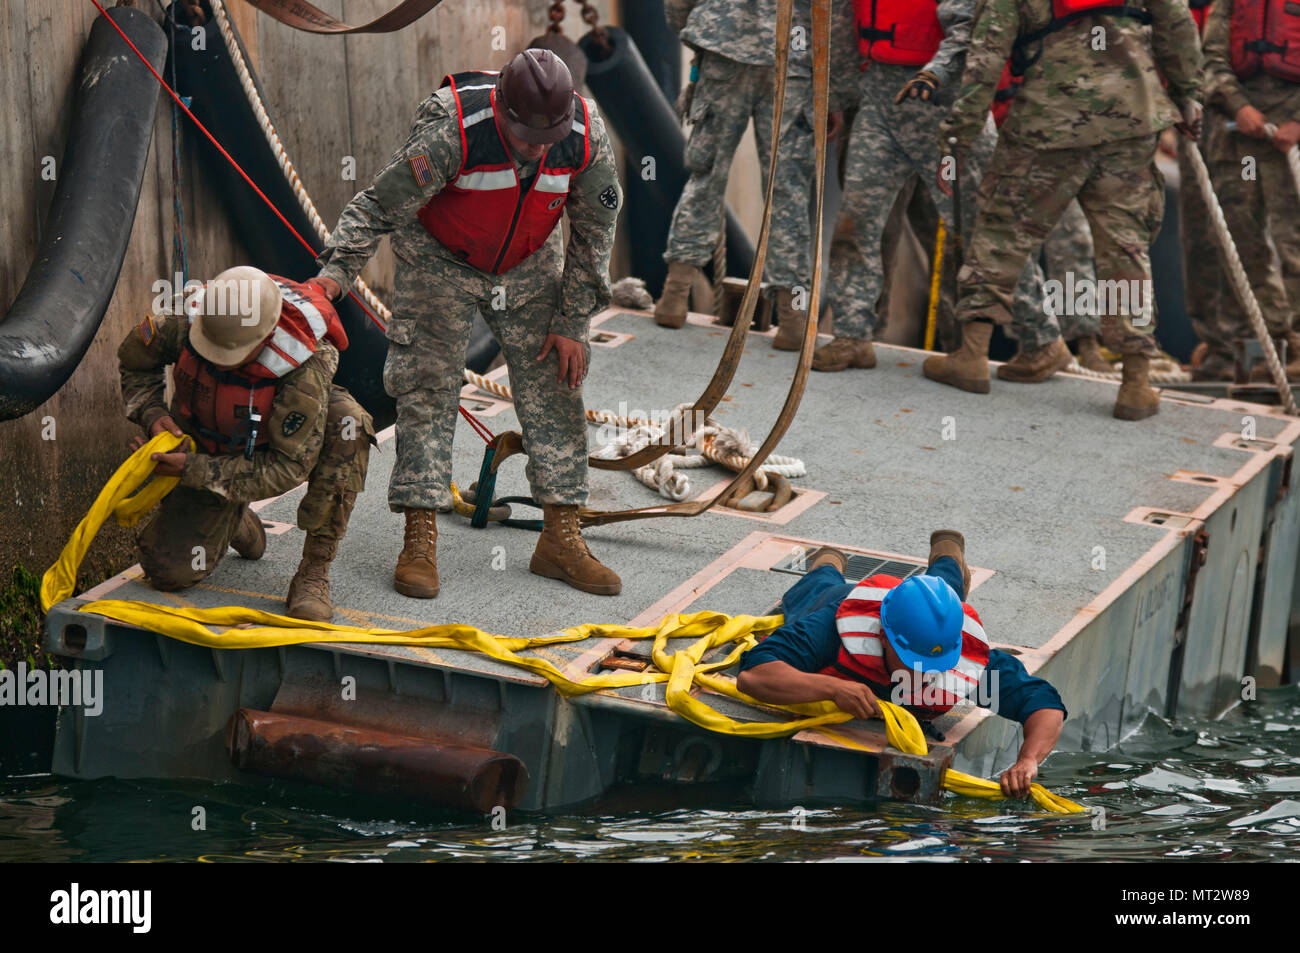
[481, 215]
[1265, 34]
[223, 408]
[899, 32]
[862, 653]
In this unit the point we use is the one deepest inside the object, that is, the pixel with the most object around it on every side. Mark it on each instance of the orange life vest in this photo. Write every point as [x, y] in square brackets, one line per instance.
[898, 32]
[1065, 12]
[483, 215]
[862, 651]
[227, 410]
[1265, 35]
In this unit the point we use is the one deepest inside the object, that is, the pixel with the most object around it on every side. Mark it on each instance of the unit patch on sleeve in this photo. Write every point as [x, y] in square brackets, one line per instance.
[147, 330]
[609, 197]
[423, 171]
[292, 422]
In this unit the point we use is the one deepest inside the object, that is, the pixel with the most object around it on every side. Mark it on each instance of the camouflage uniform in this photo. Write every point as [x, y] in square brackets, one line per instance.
[1262, 213]
[889, 143]
[735, 42]
[1085, 124]
[1203, 277]
[329, 449]
[1068, 249]
[555, 290]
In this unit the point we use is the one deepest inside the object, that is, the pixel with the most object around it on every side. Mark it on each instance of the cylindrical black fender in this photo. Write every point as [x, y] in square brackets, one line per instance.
[66, 294]
[634, 106]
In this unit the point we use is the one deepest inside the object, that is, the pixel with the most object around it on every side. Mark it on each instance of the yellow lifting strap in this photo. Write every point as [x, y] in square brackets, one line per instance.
[683, 670]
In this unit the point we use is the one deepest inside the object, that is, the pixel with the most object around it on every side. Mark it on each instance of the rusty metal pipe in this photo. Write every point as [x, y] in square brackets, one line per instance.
[374, 762]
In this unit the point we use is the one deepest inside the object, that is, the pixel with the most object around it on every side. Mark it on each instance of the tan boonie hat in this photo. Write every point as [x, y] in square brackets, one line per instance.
[237, 311]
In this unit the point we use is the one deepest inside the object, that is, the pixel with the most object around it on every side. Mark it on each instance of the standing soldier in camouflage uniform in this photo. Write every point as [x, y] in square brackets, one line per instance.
[473, 201]
[735, 43]
[253, 386]
[894, 136]
[1085, 124]
[1253, 78]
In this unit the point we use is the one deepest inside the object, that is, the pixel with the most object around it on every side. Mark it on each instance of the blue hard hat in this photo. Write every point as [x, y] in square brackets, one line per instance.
[922, 618]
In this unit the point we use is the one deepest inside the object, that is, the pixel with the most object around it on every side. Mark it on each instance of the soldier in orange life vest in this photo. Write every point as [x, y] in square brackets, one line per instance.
[913, 641]
[473, 201]
[1252, 68]
[253, 386]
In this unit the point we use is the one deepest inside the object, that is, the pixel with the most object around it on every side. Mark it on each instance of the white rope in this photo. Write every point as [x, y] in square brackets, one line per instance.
[1237, 273]
[1172, 375]
[713, 443]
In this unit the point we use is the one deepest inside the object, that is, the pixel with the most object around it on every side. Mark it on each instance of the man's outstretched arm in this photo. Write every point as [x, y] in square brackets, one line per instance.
[780, 683]
[1042, 730]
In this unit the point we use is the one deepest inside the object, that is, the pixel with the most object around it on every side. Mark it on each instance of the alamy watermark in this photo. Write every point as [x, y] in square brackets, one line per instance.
[1133, 297]
[84, 689]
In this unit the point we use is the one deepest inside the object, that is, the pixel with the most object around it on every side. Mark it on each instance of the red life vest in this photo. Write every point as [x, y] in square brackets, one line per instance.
[1200, 11]
[1065, 12]
[1265, 35]
[480, 215]
[862, 651]
[219, 406]
[898, 32]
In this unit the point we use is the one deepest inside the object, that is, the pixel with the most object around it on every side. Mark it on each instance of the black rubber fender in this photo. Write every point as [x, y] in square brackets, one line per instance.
[635, 108]
[66, 293]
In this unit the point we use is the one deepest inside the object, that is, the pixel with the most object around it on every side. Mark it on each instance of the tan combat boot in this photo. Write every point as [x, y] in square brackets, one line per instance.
[563, 554]
[1136, 400]
[309, 592]
[1215, 366]
[828, 556]
[670, 309]
[949, 542]
[417, 566]
[843, 353]
[968, 366]
[1037, 364]
[1089, 356]
[791, 324]
[250, 538]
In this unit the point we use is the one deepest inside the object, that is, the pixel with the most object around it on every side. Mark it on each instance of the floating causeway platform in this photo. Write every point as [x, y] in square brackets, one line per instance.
[1140, 567]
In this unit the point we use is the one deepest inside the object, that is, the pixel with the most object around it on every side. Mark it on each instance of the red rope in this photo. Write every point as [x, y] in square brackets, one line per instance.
[479, 428]
[229, 158]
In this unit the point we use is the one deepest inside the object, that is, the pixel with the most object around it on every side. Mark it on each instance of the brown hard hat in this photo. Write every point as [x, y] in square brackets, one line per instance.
[535, 96]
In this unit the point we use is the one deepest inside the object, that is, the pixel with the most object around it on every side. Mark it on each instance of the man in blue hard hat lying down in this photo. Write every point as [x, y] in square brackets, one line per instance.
[915, 641]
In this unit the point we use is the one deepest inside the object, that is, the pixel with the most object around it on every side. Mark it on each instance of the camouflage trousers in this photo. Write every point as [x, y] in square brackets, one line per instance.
[1022, 197]
[888, 145]
[191, 529]
[426, 357]
[1203, 277]
[1068, 251]
[1263, 215]
[727, 95]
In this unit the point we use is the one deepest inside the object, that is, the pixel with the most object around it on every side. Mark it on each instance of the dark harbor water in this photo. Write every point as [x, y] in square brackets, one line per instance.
[1225, 790]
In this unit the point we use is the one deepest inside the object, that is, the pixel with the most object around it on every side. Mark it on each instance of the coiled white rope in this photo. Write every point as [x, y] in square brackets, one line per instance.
[1237, 272]
[715, 444]
[1174, 375]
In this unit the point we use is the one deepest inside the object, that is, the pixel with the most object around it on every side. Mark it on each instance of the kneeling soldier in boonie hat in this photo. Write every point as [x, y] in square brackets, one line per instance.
[253, 386]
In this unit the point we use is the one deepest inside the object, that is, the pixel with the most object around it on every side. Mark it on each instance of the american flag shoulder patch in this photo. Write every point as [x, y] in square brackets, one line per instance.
[423, 171]
[147, 330]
